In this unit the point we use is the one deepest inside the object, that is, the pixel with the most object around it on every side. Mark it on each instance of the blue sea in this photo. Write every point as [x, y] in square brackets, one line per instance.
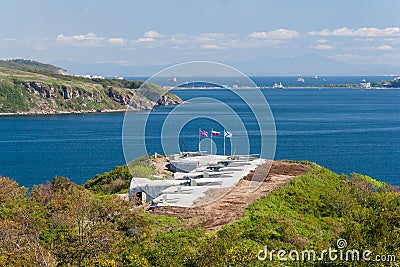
[345, 130]
[269, 81]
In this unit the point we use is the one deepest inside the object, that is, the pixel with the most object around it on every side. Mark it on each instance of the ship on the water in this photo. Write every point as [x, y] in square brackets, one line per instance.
[278, 86]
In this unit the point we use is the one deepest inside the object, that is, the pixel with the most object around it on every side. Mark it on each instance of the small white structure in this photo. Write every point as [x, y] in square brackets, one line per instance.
[144, 190]
[365, 84]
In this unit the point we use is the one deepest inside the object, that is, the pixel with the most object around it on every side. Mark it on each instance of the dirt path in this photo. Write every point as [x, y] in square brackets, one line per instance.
[231, 207]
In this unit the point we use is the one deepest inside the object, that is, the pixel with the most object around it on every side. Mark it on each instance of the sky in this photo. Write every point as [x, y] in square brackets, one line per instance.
[136, 33]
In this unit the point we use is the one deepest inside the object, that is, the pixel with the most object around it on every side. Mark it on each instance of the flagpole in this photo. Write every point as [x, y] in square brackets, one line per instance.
[224, 143]
[199, 138]
[230, 141]
[211, 142]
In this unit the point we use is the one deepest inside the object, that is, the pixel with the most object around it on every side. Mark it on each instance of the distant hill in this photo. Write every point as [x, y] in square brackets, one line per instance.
[310, 64]
[30, 87]
[109, 69]
[395, 83]
[31, 65]
[307, 64]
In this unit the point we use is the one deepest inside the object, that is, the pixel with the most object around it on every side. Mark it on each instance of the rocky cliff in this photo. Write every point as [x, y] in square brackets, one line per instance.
[33, 93]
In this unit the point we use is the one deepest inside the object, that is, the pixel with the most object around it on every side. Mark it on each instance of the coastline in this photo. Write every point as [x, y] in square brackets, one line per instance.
[43, 112]
[29, 113]
[291, 87]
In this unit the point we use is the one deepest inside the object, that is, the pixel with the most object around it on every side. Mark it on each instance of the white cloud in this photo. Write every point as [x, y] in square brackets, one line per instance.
[250, 43]
[322, 47]
[385, 47]
[178, 40]
[322, 41]
[371, 48]
[275, 34]
[210, 36]
[149, 38]
[369, 39]
[348, 55]
[368, 32]
[116, 41]
[146, 39]
[89, 39]
[153, 34]
[121, 62]
[79, 37]
[212, 47]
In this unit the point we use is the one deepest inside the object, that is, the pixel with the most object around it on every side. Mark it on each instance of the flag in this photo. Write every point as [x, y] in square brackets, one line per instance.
[204, 133]
[215, 133]
[227, 134]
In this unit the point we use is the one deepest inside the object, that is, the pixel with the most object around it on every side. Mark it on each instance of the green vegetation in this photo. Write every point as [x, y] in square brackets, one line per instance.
[331, 85]
[13, 98]
[395, 83]
[31, 65]
[118, 180]
[63, 224]
[33, 87]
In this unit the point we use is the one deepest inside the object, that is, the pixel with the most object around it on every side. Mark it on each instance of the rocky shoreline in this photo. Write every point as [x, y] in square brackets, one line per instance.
[43, 112]
[63, 112]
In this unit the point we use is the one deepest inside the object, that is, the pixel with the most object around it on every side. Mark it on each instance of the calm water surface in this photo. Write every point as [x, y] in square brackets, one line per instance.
[346, 130]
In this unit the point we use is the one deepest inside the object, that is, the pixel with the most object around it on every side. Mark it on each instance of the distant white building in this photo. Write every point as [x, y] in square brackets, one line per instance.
[365, 84]
[89, 76]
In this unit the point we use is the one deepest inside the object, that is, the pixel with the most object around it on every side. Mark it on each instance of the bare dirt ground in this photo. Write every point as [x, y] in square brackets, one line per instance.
[160, 164]
[232, 205]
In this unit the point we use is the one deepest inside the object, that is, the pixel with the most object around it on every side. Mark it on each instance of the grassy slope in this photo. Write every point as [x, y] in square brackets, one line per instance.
[119, 179]
[85, 94]
[32, 66]
[311, 212]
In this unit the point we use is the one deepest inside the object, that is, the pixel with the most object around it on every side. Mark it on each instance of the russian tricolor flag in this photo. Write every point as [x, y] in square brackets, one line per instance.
[215, 133]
